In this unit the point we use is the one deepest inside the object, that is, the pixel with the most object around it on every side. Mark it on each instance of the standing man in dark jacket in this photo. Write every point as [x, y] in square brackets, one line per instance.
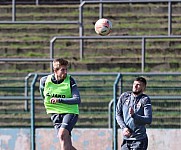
[133, 112]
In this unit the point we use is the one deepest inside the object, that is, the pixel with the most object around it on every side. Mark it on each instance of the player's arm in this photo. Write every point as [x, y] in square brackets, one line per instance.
[147, 117]
[119, 113]
[42, 85]
[75, 99]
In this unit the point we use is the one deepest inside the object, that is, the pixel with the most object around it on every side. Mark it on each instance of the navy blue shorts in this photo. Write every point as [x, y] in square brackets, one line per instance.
[66, 121]
[135, 144]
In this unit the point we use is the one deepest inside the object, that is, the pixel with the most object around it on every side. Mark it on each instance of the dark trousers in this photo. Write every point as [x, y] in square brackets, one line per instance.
[135, 144]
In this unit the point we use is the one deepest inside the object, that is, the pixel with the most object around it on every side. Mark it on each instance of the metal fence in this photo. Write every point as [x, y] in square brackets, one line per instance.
[99, 93]
[164, 90]
[81, 25]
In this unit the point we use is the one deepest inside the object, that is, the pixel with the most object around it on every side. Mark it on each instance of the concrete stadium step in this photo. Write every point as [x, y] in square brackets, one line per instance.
[165, 122]
[24, 119]
[45, 66]
[126, 14]
[85, 120]
[32, 2]
[123, 59]
[9, 106]
[31, 31]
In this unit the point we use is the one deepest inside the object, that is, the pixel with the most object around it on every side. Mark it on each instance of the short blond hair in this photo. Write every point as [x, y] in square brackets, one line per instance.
[59, 62]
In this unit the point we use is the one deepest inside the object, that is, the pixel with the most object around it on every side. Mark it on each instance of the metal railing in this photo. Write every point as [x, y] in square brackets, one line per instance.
[120, 79]
[101, 2]
[120, 82]
[143, 43]
[80, 22]
[143, 38]
[13, 21]
[33, 98]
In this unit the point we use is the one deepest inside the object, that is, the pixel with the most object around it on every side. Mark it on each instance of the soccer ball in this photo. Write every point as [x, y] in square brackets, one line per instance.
[103, 26]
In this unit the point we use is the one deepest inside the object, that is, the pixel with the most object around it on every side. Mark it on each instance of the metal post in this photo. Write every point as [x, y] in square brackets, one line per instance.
[52, 53]
[33, 113]
[26, 91]
[110, 113]
[143, 55]
[115, 138]
[169, 18]
[81, 30]
[37, 2]
[100, 10]
[13, 10]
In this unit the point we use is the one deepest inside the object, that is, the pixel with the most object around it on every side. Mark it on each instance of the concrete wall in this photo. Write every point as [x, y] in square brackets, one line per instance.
[84, 139]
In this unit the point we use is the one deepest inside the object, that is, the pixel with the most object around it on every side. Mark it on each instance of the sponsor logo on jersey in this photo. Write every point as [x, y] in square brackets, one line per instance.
[55, 95]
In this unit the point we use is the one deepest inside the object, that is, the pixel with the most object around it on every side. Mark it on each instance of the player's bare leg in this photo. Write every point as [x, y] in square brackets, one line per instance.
[65, 139]
[73, 148]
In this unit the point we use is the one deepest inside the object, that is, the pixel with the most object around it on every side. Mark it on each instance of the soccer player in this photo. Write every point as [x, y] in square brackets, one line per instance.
[61, 100]
[133, 112]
